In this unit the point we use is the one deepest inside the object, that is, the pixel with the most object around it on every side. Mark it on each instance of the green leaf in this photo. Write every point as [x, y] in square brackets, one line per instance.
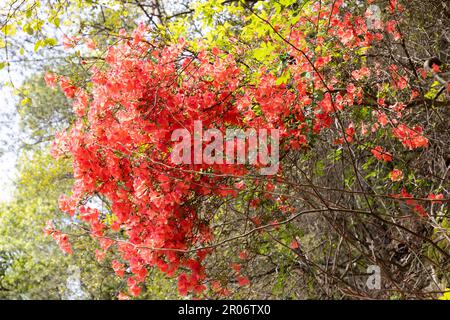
[319, 168]
[287, 3]
[28, 13]
[263, 52]
[446, 295]
[37, 45]
[25, 101]
[8, 30]
[28, 29]
[50, 42]
[284, 78]
[56, 22]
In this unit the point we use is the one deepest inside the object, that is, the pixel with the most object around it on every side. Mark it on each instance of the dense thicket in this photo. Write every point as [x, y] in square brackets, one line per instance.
[359, 91]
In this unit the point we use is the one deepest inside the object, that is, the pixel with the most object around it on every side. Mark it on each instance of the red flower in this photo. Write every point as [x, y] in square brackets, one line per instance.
[294, 244]
[236, 267]
[380, 154]
[63, 241]
[123, 296]
[100, 255]
[70, 42]
[396, 175]
[243, 281]
[68, 89]
[436, 68]
[133, 288]
[50, 79]
[118, 268]
[410, 138]
[243, 255]
[216, 286]
[435, 197]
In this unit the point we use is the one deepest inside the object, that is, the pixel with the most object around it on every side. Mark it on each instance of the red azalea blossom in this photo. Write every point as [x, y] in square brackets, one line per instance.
[380, 154]
[133, 288]
[118, 268]
[123, 296]
[50, 79]
[396, 175]
[410, 138]
[243, 281]
[68, 89]
[436, 197]
[294, 244]
[236, 267]
[243, 255]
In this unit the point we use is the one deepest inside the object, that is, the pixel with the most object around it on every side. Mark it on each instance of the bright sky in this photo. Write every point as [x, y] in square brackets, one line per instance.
[7, 127]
